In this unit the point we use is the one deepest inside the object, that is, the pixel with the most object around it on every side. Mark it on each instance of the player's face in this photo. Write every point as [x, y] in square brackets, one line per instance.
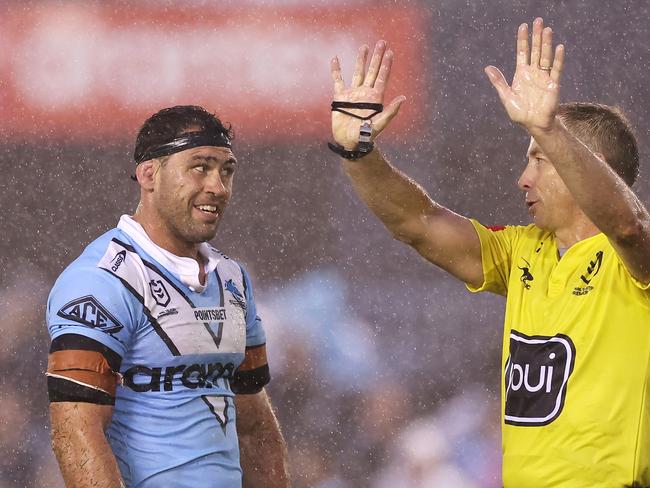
[548, 199]
[192, 191]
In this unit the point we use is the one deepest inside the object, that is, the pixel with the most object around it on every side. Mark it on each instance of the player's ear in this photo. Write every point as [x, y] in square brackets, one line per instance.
[145, 173]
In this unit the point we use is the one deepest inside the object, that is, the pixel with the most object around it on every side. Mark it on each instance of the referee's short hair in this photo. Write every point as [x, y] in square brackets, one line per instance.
[605, 130]
[170, 123]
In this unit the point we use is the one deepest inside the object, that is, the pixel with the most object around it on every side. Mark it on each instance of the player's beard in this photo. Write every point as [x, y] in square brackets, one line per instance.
[177, 218]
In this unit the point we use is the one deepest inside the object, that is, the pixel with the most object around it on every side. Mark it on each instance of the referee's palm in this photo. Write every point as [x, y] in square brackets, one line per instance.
[534, 96]
[367, 86]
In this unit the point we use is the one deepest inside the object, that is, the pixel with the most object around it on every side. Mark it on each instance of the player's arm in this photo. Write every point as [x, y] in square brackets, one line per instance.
[81, 386]
[438, 234]
[262, 448]
[533, 101]
[80, 446]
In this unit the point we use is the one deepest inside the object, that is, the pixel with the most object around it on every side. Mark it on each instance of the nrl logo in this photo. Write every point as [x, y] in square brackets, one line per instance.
[159, 292]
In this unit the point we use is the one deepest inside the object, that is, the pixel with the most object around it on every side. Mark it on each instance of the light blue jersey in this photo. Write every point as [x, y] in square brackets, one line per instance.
[180, 342]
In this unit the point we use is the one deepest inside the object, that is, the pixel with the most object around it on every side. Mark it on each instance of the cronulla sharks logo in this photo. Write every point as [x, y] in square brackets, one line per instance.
[238, 298]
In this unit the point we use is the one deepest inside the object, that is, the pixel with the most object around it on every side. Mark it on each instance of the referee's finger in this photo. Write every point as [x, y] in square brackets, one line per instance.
[380, 122]
[335, 69]
[360, 67]
[558, 63]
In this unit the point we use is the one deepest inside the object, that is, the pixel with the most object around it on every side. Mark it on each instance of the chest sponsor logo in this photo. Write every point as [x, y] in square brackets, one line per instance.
[209, 314]
[141, 378]
[89, 312]
[536, 377]
[526, 277]
[159, 292]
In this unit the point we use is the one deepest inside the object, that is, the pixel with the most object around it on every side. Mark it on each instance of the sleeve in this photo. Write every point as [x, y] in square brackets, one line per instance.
[497, 244]
[253, 373]
[255, 335]
[89, 302]
[642, 287]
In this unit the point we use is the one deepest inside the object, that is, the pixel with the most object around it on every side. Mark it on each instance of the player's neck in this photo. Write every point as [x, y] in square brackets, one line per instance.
[162, 237]
[579, 230]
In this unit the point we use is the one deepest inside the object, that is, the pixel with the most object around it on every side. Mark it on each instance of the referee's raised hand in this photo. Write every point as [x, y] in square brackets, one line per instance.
[534, 96]
[367, 86]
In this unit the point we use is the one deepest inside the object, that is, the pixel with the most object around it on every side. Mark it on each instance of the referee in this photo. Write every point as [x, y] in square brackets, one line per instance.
[576, 344]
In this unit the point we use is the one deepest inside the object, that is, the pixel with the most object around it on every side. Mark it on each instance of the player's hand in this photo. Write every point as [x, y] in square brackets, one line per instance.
[534, 96]
[366, 86]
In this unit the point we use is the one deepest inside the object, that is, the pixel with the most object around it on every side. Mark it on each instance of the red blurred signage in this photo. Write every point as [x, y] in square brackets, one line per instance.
[73, 70]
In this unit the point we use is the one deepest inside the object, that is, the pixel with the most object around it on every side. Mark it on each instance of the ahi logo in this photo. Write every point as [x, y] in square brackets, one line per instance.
[525, 274]
[89, 312]
[159, 292]
[238, 297]
[536, 377]
[118, 260]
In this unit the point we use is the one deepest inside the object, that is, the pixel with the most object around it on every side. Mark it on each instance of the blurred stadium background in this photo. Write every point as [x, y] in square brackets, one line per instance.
[386, 372]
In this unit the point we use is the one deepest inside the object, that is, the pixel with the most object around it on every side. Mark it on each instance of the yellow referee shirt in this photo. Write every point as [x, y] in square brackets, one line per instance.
[576, 356]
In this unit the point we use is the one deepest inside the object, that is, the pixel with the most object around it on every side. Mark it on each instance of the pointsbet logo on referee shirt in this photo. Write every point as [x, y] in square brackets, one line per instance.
[536, 376]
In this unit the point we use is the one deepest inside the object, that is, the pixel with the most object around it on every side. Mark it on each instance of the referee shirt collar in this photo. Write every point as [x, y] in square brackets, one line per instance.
[185, 269]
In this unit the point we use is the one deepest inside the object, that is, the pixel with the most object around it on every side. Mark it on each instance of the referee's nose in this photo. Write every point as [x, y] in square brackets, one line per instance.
[527, 178]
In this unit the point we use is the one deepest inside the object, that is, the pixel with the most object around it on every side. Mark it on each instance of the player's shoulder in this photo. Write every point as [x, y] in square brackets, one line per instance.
[86, 295]
[86, 265]
[226, 264]
[93, 272]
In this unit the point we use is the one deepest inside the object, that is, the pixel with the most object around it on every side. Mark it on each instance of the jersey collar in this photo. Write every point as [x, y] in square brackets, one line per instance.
[185, 269]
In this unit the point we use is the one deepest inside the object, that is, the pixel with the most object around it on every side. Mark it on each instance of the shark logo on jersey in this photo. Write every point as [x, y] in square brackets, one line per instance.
[159, 292]
[89, 312]
[239, 300]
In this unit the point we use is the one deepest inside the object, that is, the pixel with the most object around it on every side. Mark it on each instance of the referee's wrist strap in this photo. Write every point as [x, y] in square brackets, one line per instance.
[366, 144]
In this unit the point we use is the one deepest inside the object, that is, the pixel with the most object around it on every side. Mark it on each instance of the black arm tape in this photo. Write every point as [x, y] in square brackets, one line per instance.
[251, 381]
[62, 390]
[77, 341]
[376, 107]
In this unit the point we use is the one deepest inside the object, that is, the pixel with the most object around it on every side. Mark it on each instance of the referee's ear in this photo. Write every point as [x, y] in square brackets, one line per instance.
[145, 172]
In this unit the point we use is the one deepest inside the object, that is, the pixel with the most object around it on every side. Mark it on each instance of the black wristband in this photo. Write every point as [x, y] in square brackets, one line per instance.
[351, 155]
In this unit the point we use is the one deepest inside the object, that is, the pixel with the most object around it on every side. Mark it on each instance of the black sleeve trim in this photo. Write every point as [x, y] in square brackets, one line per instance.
[251, 381]
[61, 390]
[78, 341]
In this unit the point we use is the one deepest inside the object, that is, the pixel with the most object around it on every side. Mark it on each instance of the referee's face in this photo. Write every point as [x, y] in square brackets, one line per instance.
[192, 190]
[549, 202]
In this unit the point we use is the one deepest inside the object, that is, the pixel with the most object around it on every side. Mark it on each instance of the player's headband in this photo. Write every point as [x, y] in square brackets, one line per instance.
[186, 141]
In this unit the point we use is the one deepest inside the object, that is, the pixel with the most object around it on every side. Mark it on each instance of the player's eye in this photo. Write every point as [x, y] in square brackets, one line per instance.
[201, 168]
[227, 170]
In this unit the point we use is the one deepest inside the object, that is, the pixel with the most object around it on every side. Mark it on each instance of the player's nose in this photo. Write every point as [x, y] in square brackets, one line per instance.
[216, 186]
